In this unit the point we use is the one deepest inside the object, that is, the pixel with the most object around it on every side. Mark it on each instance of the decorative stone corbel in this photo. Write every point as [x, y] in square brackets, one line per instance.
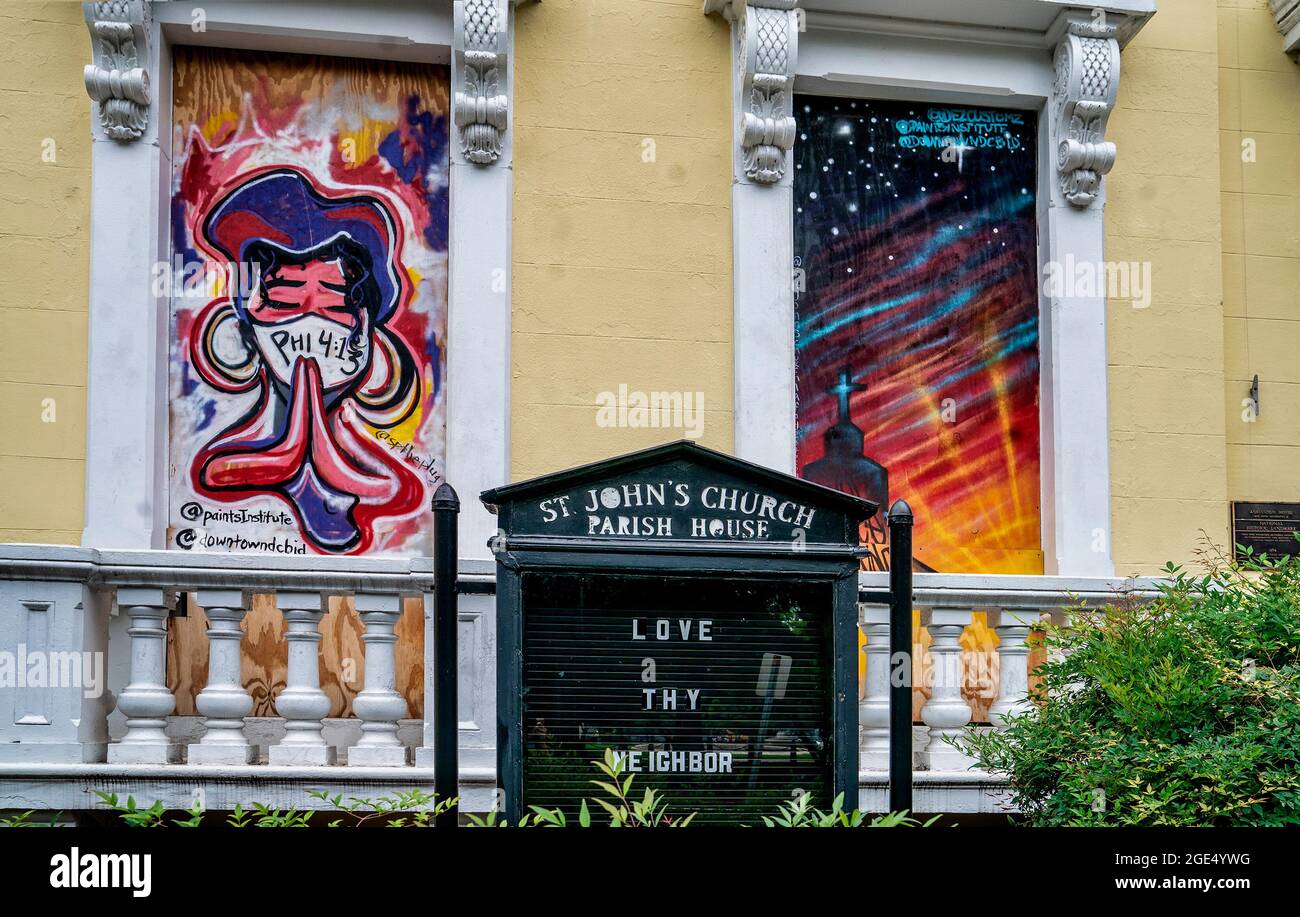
[481, 109]
[1087, 82]
[1287, 15]
[767, 41]
[119, 79]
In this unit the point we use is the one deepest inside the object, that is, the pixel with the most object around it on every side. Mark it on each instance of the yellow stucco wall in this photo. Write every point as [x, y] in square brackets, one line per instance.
[622, 253]
[622, 266]
[1168, 457]
[1259, 105]
[44, 270]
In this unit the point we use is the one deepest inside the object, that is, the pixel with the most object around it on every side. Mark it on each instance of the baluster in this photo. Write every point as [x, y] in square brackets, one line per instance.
[946, 712]
[873, 710]
[224, 701]
[146, 700]
[1060, 618]
[1013, 627]
[379, 706]
[1057, 617]
[302, 703]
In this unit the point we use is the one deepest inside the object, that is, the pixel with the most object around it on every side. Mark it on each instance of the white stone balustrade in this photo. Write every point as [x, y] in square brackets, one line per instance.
[61, 599]
[379, 706]
[873, 709]
[224, 701]
[1014, 605]
[146, 700]
[947, 712]
[302, 703]
[1012, 627]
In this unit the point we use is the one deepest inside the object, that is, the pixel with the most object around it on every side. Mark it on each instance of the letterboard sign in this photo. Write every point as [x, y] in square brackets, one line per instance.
[693, 613]
[1266, 528]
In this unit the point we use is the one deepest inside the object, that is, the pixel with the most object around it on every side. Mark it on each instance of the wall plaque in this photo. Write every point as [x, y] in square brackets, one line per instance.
[1266, 528]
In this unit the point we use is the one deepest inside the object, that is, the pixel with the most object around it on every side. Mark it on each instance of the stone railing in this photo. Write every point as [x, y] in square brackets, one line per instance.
[73, 619]
[60, 605]
[954, 681]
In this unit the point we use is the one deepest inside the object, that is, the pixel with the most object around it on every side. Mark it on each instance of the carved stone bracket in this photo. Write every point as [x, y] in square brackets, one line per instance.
[1287, 15]
[118, 80]
[767, 40]
[481, 109]
[1087, 82]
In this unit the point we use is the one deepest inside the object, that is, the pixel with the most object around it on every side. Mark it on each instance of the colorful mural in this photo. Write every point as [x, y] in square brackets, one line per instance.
[308, 291]
[917, 322]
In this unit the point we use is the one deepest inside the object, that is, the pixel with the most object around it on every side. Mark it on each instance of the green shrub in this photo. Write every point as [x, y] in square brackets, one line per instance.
[799, 814]
[418, 809]
[624, 809]
[1182, 711]
[24, 820]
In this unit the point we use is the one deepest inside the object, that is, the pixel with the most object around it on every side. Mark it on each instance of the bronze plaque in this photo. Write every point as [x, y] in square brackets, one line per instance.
[1266, 528]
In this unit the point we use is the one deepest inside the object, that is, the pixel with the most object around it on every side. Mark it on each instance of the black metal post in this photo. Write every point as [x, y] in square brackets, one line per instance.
[446, 723]
[900, 657]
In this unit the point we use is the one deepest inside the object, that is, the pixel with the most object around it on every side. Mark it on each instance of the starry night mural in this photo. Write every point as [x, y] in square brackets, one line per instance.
[916, 322]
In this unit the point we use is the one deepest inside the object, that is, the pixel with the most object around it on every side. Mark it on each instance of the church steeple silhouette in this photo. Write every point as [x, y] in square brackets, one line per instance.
[844, 436]
[845, 466]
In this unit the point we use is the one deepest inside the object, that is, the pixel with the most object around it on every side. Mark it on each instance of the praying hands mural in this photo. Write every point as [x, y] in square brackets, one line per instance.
[317, 352]
[307, 413]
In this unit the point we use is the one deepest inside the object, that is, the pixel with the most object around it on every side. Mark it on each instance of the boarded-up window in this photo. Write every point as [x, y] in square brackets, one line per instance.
[308, 288]
[309, 302]
[917, 317]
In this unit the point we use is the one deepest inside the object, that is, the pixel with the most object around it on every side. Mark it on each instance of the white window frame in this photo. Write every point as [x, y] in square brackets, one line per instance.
[1004, 54]
[127, 481]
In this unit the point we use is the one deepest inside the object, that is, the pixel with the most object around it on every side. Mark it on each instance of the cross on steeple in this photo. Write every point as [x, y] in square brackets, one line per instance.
[842, 389]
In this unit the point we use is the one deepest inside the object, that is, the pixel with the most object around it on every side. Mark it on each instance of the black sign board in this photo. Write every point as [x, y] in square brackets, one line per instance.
[1266, 528]
[676, 499]
[693, 613]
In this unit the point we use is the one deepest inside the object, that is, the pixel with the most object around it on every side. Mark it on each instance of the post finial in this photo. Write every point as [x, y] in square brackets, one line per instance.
[445, 498]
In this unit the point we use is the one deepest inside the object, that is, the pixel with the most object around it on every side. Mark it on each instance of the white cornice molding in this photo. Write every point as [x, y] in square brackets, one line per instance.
[945, 20]
[118, 80]
[1287, 15]
[917, 28]
[1084, 92]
